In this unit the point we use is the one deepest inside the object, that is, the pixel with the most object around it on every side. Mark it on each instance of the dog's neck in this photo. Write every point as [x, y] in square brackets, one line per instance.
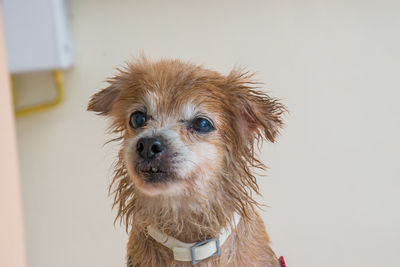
[188, 219]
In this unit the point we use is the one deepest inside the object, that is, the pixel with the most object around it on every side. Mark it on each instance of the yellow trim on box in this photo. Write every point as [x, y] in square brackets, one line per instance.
[59, 84]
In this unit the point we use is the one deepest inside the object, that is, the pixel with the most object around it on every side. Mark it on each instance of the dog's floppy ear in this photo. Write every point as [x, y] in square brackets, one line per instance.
[102, 102]
[261, 113]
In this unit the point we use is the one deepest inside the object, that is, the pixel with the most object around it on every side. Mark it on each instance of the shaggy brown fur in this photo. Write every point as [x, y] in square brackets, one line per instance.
[203, 201]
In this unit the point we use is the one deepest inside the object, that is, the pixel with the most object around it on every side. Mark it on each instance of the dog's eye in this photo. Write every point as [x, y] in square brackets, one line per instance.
[137, 119]
[202, 125]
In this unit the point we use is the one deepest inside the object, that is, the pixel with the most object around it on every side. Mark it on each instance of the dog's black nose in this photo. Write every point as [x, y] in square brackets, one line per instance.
[149, 147]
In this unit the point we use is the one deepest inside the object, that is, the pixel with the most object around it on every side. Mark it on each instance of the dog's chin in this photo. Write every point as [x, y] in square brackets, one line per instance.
[156, 183]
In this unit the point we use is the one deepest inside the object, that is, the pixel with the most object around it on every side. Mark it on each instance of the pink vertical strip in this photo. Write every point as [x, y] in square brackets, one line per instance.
[12, 248]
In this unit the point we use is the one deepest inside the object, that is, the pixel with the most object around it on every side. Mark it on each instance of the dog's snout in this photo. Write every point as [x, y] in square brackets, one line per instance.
[149, 147]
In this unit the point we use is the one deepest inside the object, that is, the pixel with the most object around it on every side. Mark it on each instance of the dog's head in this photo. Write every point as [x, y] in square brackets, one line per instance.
[187, 129]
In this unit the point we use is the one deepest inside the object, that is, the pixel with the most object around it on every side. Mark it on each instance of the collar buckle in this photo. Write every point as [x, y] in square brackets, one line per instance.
[200, 243]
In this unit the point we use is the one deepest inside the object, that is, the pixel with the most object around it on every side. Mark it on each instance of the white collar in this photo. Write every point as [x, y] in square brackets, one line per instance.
[194, 252]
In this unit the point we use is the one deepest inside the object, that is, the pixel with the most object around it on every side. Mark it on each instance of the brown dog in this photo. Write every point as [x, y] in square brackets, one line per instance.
[184, 169]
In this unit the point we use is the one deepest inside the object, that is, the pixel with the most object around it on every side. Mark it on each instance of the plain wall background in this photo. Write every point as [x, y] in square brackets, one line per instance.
[333, 185]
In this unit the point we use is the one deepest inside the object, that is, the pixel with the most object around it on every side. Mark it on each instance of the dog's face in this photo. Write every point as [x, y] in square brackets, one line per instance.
[183, 126]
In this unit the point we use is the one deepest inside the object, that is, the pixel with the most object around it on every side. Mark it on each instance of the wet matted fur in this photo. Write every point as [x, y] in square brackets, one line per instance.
[207, 176]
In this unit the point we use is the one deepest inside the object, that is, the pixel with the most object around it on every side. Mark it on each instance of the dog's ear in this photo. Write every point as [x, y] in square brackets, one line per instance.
[260, 113]
[102, 102]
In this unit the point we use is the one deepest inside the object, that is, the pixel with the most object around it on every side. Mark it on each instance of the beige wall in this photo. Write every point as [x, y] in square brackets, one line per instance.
[12, 248]
[333, 184]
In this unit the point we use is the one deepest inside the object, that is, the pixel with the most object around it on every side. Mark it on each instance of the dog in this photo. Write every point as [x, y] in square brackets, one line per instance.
[183, 182]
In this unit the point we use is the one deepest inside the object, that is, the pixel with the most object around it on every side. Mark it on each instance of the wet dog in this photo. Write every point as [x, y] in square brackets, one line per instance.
[183, 183]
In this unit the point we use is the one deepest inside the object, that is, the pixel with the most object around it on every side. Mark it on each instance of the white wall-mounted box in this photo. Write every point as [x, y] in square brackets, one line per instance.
[37, 35]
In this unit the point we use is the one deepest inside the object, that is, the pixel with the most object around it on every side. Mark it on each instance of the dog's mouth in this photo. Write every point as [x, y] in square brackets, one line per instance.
[153, 173]
[152, 170]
